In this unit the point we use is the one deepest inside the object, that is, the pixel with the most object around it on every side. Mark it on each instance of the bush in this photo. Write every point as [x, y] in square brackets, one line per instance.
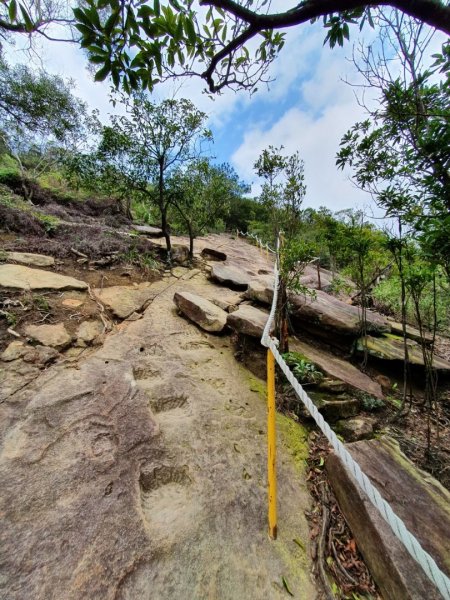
[304, 371]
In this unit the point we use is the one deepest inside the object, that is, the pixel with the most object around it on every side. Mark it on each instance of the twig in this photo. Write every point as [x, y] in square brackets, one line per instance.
[78, 253]
[321, 542]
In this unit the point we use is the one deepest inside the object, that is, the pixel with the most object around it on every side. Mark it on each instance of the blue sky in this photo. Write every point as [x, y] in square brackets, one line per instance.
[308, 107]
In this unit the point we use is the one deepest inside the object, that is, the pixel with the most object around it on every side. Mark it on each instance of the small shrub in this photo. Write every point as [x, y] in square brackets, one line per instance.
[370, 403]
[49, 223]
[304, 371]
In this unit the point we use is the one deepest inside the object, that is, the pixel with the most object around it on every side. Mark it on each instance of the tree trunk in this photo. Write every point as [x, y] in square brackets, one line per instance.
[191, 241]
[282, 318]
[163, 207]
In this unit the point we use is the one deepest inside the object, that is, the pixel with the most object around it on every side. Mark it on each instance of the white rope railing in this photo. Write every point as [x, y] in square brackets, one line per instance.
[410, 542]
[257, 239]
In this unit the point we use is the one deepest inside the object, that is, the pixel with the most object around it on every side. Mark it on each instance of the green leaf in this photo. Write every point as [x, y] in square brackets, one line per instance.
[103, 73]
[299, 543]
[12, 10]
[190, 31]
[28, 23]
[286, 586]
[156, 8]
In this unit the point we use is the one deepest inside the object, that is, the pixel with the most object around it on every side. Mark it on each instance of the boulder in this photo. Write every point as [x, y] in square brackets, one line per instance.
[55, 336]
[26, 258]
[352, 430]
[123, 300]
[324, 314]
[230, 275]
[248, 320]
[418, 499]
[261, 290]
[204, 313]
[24, 278]
[87, 332]
[180, 254]
[213, 254]
[390, 347]
[336, 368]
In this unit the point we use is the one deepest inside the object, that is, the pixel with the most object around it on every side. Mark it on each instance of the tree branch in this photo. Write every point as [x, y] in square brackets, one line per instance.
[432, 12]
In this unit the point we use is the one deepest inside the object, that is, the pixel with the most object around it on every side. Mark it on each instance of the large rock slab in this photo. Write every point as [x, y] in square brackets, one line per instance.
[336, 368]
[261, 290]
[390, 347]
[230, 275]
[27, 258]
[204, 313]
[123, 300]
[324, 314]
[55, 336]
[248, 320]
[418, 499]
[24, 278]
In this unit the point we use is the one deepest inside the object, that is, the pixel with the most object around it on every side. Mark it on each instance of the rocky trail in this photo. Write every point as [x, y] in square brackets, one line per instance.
[133, 462]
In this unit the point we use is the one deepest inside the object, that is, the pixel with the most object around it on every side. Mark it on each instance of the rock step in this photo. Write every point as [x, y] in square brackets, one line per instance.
[24, 278]
[204, 313]
[418, 499]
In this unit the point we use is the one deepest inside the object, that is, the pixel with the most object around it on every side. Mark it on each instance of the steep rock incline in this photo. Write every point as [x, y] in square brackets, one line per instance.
[140, 473]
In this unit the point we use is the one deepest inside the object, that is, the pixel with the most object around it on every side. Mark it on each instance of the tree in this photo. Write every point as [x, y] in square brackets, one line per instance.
[283, 200]
[40, 119]
[147, 143]
[202, 193]
[141, 44]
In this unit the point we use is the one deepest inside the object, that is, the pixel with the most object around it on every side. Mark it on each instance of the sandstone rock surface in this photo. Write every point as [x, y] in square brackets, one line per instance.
[123, 300]
[390, 347]
[204, 313]
[24, 278]
[27, 258]
[418, 499]
[88, 331]
[214, 254]
[248, 320]
[55, 336]
[230, 275]
[324, 314]
[261, 290]
[411, 332]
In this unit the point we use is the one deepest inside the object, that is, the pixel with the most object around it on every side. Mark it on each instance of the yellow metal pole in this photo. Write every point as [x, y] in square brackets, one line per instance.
[271, 445]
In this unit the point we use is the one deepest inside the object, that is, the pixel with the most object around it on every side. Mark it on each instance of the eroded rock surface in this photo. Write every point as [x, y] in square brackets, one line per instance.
[204, 313]
[261, 290]
[24, 278]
